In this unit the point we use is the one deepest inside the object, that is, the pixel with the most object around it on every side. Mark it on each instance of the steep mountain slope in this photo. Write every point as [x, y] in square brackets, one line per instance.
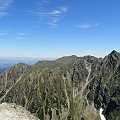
[9, 78]
[105, 86]
[69, 88]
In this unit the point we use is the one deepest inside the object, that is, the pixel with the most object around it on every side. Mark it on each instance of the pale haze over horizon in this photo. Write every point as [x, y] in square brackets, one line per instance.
[56, 28]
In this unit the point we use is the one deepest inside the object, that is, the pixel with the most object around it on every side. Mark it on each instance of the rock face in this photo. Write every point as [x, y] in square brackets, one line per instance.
[105, 87]
[69, 88]
[14, 112]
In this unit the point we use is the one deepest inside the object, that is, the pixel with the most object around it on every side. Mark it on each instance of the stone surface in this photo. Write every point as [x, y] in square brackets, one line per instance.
[14, 112]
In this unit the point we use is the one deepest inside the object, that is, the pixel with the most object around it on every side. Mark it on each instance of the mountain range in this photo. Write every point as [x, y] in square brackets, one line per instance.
[68, 88]
[7, 62]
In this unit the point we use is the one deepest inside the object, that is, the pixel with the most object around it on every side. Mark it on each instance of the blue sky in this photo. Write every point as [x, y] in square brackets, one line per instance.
[55, 28]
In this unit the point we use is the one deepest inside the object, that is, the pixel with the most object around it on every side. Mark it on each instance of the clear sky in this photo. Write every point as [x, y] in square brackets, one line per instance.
[55, 28]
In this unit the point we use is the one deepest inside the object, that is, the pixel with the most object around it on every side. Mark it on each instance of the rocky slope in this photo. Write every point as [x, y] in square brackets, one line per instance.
[105, 87]
[69, 88]
[14, 112]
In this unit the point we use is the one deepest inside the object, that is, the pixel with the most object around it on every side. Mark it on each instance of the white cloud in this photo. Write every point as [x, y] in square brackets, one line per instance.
[53, 23]
[3, 13]
[21, 36]
[45, 1]
[51, 16]
[59, 11]
[3, 32]
[86, 26]
[4, 5]
[55, 12]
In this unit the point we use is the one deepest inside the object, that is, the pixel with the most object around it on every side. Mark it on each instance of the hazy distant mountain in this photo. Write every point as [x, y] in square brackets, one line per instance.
[5, 66]
[68, 88]
[7, 62]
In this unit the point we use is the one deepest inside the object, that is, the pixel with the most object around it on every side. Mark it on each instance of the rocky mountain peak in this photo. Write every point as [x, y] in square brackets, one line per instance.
[113, 59]
[114, 52]
[114, 55]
